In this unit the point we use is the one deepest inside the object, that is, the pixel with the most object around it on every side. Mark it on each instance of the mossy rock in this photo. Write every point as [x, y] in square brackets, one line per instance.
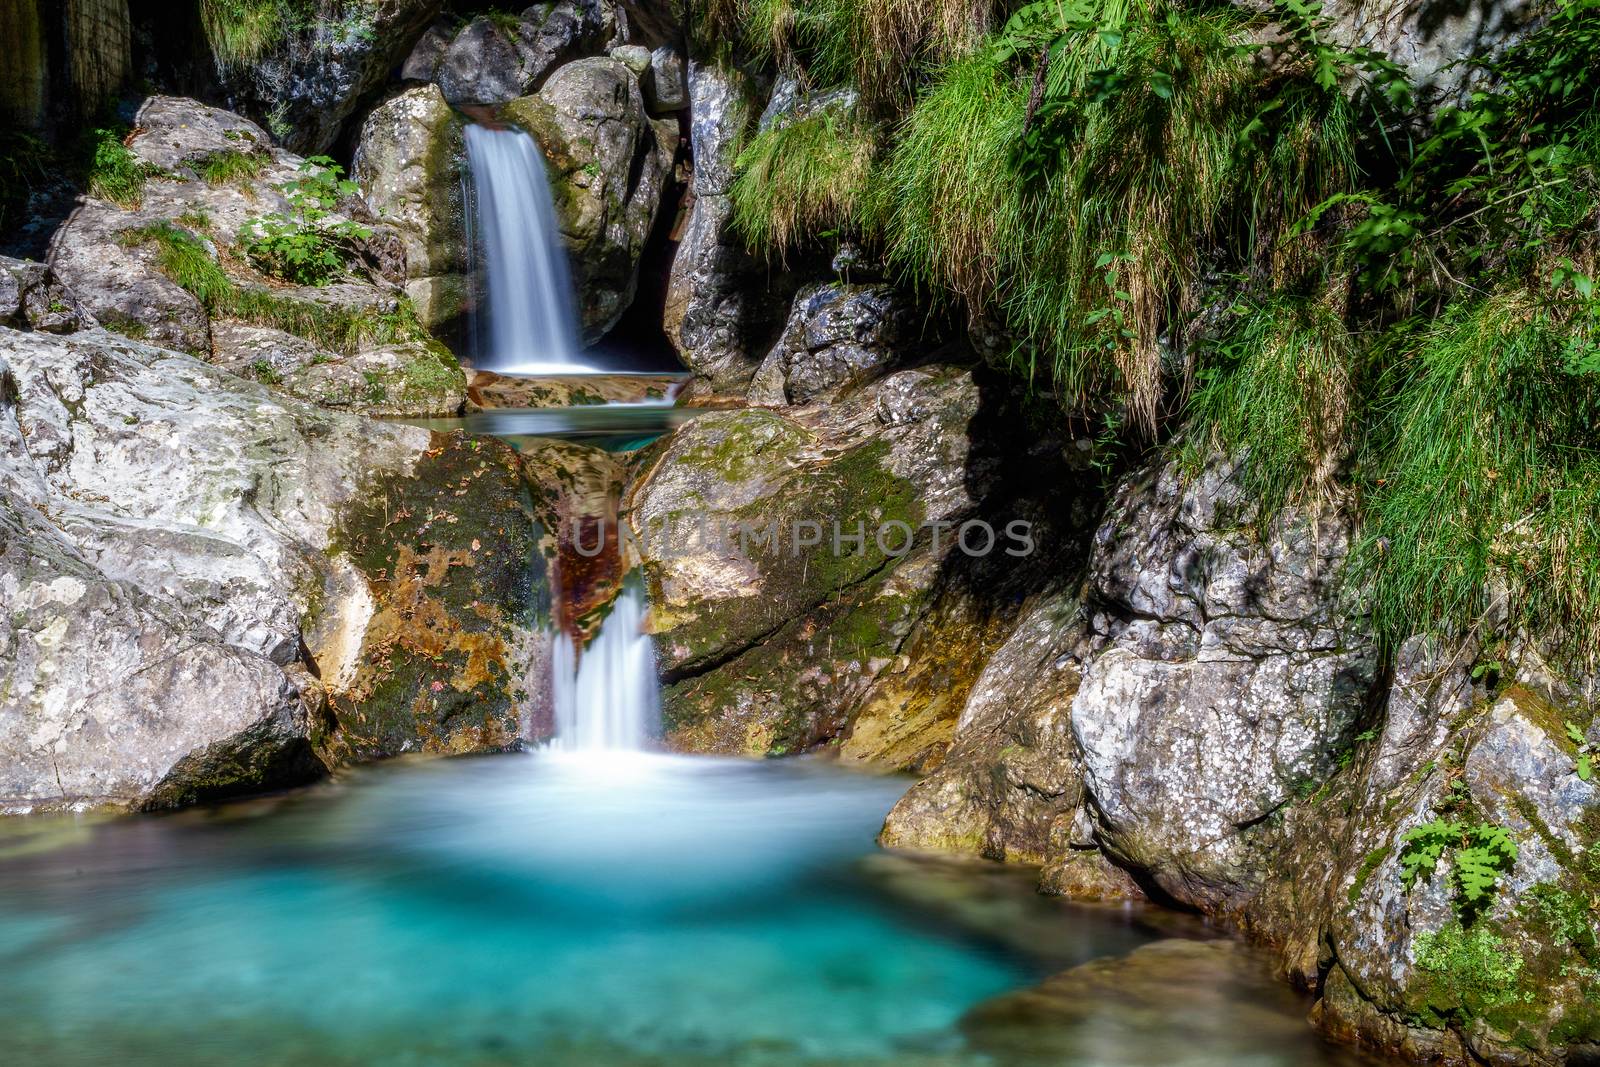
[449, 554]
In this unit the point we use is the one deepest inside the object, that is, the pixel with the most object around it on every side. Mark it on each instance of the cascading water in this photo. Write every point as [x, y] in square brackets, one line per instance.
[532, 323]
[606, 699]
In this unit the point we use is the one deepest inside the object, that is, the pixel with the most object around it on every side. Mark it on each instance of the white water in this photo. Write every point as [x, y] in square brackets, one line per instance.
[606, 699]
[533, 325]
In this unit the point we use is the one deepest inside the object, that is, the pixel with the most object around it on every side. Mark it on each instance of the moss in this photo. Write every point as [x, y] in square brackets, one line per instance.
[1467, 974]
[449, 553]
[1370, 863]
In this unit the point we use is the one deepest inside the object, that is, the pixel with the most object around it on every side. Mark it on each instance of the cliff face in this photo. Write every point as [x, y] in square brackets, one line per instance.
[61, 61]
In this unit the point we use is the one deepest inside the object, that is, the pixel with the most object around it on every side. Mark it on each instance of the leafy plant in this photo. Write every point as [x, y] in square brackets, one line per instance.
[309, 245]
[1586, 751]
[1479, 853]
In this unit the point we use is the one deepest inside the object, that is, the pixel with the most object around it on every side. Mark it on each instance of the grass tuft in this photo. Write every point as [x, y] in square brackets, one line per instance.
[230, 165]
[804, 178]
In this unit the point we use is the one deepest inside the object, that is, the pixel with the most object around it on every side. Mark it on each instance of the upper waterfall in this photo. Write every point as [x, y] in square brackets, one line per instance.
[532, 321]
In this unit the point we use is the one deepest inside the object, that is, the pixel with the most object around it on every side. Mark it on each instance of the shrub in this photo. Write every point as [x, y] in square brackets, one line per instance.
[307, 246]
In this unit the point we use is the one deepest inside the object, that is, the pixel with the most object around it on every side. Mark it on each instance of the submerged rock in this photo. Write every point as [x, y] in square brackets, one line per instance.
[609, 164]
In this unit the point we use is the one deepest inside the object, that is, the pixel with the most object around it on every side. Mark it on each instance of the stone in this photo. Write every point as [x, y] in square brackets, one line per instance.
[305, 89]
[837, 336]
[724, 309]
[667, 88]
[609, 166]
[767, 647]
[409, 161]
[31, 298]
[1223, 676]
[428, 53]
[491, 62]
[271, 582]
[1432, 44]
[635, 57]
[119, 279]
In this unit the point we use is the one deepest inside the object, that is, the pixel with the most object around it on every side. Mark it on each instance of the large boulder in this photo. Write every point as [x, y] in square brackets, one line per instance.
[314, 79]
[409, 161]
[117, 258]
[771, 622]
[837, 336]
[494, 59]
[609, 166]
[327, 584]
[32, 298]
[1223, 676]
[722, 312]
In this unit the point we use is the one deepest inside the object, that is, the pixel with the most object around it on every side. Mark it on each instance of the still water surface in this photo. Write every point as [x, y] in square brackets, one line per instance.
[549, 909]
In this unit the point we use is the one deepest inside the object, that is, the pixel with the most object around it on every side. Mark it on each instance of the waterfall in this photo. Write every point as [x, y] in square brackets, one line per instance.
[607, 698]
[533, 326]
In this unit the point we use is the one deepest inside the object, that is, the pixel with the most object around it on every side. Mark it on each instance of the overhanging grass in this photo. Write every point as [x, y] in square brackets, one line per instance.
[1487, 480]
[1278, 395]
[241, 31]
[804, 177]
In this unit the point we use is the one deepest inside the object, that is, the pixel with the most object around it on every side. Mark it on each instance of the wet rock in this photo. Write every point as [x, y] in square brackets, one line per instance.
[489, 390]
[837, 336]
[1223, 675]
[414, 379]
[267, 579]
[491, 61]
[32, 299]
[770, 643]
[306, 88]
[609, 165]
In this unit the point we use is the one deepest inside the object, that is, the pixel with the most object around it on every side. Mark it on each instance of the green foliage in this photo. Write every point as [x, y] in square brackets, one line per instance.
[1484, 472]
[308, 245]
[1277, 392]
[241, 31]
[1472, 972]
[229, 165]
[1076, 200]
[266, 372]
[115, 173]
[1479, 853]
[1585, 763]
[806, 177]
[185, 259]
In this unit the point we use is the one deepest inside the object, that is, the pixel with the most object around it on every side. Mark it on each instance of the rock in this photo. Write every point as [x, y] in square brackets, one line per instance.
[1010, 786]
[635, 57]
[723, 308]
[1432, 45]
[422, 65]
[1158, 1004]
[305, 88]
[270, 580]
[122, 280]
[32, 299]
[414, 379]
[409, 163]
[609, 165]
[667, 88]
[767, 645]
[1223, 677]
[492, 62]
[837, 336]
